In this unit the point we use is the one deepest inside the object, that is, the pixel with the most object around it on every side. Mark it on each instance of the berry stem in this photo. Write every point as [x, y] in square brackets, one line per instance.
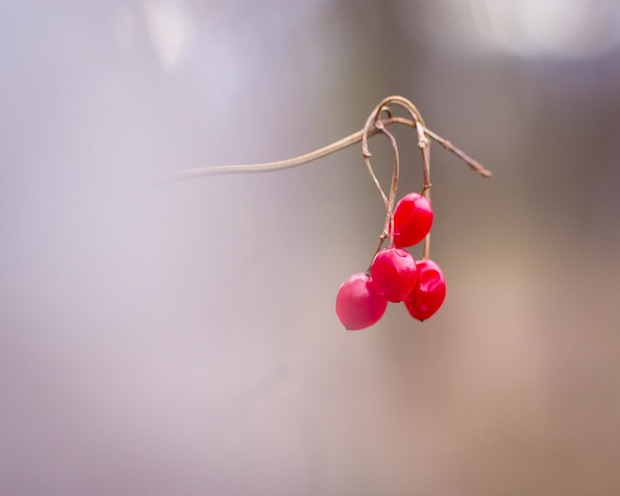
[426, 191]
[391, 199]
[427, 247]
[374, 122]
[382, 238]
[423, 145]
[389, 218]
[388, 226]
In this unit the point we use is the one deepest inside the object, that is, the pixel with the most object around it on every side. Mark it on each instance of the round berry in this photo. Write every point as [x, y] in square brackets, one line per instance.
[358, 304]
[394, 273]
[429, 293]
[413, 218]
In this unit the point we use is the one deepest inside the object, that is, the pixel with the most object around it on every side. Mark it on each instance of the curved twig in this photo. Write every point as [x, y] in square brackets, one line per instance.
[323, 152]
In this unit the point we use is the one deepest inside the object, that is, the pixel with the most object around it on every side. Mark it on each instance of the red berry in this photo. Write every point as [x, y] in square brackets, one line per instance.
[429, 293]
[394, 273]
[413, 218]
[358, 304]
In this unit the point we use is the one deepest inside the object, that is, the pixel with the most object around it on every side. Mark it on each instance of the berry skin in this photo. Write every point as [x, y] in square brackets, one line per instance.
[429, 293]
[358, 304]
[394, 273]
[413, 218]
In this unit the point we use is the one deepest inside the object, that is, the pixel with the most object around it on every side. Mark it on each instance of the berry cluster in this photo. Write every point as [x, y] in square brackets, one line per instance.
[394, 275]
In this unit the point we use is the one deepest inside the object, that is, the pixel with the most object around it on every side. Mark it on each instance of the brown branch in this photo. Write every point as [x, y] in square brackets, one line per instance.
[323, 152]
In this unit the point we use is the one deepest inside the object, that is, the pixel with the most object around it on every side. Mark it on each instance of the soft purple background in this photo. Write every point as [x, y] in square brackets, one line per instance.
[182, 340]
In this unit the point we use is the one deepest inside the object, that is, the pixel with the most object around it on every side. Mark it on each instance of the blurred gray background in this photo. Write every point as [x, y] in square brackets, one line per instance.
[181, 339]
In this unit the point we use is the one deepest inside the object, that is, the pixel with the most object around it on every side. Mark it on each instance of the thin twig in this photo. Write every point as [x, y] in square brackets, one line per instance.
[423, 145]
[426, 191]
[370, 127]
[474, 164]
[388, 226]
[323, 152]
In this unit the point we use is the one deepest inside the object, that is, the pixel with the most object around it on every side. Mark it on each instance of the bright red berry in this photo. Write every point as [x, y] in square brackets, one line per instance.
[429, 293]
[413, 218]
[394, 273]
[358, 304]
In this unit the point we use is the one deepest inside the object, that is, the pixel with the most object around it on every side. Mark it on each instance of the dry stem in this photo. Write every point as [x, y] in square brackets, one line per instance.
[374, 125]
[323, 152]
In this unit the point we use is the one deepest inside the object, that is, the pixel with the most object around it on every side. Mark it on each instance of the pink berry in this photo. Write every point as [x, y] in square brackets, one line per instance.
[429, 293]
[394, 273]
[358, 304]
[413, 218]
